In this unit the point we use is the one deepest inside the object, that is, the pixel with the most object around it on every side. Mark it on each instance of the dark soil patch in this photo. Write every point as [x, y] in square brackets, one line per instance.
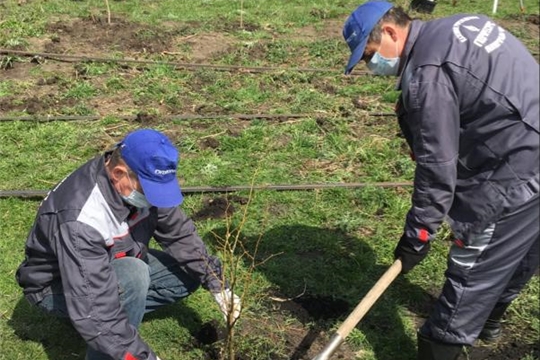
[47, 81]
[323, 307]
[307, 308]
[218, 207]
[314, 313]
[93, 35]
[11, 69]
[215, 208]
[226, 25]
[507, 351]
[210, 333]
[146, 119]
[33, 105]
[324, 124]
[209, 143]
[324, 86]
[206, 46]
[303, 336]
[209, 337]
[530, 18]
[533, 19]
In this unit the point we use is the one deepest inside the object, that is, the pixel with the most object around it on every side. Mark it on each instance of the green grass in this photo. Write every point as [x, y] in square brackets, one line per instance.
[333, 242]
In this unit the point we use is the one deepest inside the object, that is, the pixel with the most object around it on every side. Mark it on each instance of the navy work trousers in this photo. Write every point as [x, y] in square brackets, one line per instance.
[486, 269]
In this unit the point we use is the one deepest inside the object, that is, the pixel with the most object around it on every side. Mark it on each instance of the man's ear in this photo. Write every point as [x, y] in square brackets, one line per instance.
[390, 30]
[117, 173]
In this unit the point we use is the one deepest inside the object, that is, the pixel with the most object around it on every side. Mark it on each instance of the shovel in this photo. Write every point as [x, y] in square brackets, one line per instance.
[361, 309]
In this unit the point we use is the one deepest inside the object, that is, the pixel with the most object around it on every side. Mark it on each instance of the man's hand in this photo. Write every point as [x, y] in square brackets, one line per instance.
[409, 255]
[226, 300]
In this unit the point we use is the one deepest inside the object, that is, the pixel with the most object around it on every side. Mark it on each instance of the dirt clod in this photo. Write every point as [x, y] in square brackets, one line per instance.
[209, 143]
[359, 104]
[146, 119]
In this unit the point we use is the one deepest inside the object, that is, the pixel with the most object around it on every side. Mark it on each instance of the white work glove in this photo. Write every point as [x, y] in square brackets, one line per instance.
[224, 299]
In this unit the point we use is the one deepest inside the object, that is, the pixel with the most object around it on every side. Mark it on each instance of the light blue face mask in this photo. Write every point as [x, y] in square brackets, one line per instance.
[380, 65]
[135, 198]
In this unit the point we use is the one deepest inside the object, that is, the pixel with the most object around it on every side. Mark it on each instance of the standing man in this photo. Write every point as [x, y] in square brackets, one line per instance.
[469, 110]
[87, 255]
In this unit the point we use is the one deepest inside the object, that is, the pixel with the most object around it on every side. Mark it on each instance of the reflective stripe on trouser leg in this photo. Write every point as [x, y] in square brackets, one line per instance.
[489, 266]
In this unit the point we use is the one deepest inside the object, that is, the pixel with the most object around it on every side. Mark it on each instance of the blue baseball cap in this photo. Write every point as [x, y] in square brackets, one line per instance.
[152, 156]
[358, 27]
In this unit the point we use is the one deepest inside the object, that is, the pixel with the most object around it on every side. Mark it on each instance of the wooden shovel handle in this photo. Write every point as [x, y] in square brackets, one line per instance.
[363, 307]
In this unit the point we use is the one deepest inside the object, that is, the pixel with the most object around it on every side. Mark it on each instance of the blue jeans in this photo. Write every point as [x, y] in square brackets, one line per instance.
[142, 288]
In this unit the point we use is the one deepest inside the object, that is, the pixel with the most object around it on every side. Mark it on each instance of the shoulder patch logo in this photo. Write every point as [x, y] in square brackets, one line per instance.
[482, 35]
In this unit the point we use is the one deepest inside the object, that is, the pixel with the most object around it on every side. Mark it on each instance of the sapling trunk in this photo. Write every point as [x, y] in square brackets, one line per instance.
[108, 12]
[235, 253]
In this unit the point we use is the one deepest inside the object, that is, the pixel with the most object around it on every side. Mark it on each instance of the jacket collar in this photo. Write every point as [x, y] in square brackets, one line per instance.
[415, 28]
[113, 198]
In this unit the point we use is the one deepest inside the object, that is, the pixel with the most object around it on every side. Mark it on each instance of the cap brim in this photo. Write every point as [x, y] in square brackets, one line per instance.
[163, 195]
[356, 56]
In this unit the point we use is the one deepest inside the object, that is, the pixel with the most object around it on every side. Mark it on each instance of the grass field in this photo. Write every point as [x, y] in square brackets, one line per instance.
[320, 251]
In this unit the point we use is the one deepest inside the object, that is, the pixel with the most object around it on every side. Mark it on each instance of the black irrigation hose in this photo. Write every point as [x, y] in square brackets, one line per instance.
[234, 188]
[382, 114]
[142, 117]
[166, 117]
[187, 66]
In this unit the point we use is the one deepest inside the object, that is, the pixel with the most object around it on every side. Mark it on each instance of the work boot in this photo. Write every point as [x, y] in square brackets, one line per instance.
[492, 328]
[423, 6]
[429, 349]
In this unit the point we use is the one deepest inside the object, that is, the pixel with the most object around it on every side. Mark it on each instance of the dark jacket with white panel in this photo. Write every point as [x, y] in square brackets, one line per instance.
[469, 110]
[80, 227]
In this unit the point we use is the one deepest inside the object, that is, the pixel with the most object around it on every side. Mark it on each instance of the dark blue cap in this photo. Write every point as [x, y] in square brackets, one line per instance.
[152, 156]
[358, 27]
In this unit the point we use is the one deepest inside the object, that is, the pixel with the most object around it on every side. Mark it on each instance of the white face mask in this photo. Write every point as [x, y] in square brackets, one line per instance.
[135, 198]
[384, 66]
[380, 65]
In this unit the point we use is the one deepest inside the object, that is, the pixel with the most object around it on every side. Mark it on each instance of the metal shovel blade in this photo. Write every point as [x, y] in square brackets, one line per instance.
[361, 309]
